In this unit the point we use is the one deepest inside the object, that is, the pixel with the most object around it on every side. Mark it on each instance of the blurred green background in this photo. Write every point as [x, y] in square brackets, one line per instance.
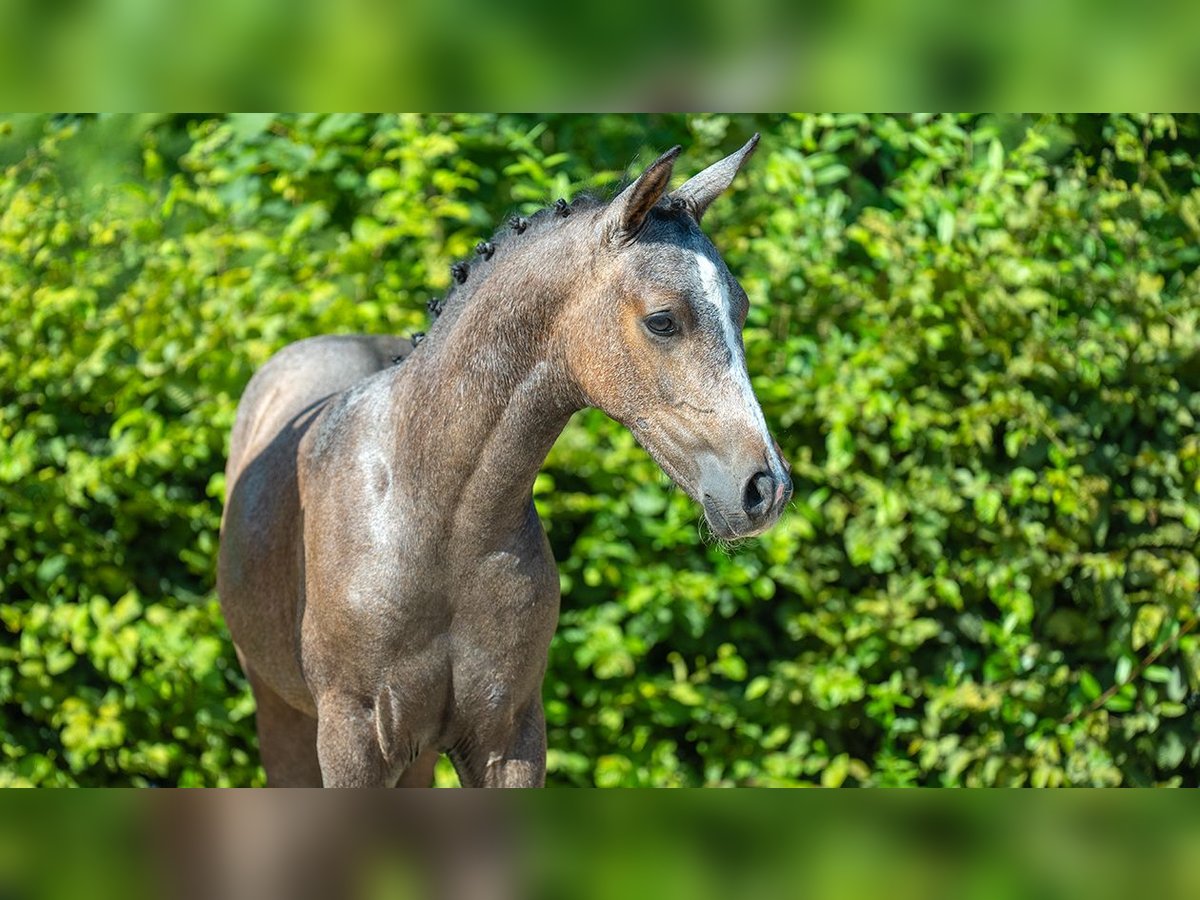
[974, 336]
[443, 54]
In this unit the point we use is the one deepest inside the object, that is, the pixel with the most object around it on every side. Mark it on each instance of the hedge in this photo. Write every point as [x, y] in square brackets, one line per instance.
[975, 337]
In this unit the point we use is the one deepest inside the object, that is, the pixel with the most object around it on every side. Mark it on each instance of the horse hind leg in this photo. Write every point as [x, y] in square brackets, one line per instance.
[419, 773]
[287, 739]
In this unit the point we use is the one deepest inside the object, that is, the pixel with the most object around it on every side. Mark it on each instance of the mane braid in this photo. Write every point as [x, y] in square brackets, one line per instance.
[465, 272]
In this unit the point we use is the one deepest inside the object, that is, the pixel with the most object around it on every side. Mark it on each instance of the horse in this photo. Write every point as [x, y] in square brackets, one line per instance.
[386, 580]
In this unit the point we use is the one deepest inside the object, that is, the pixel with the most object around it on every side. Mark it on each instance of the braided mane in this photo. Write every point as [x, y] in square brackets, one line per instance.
[466, 273]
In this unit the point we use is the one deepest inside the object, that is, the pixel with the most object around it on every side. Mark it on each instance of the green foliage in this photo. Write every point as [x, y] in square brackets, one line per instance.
[976, 339]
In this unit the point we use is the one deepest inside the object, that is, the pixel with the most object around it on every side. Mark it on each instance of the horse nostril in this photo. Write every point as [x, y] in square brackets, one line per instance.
[758, 495]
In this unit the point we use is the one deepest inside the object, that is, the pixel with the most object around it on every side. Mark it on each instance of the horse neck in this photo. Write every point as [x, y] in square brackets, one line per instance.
[487, 394]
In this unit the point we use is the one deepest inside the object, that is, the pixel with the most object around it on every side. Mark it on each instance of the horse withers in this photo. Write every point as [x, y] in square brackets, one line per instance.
[385, 577]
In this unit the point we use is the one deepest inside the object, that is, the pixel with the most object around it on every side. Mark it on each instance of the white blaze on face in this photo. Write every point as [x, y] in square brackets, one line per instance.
[716, 292]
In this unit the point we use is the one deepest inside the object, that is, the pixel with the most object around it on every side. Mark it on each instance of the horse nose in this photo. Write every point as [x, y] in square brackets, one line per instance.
[759, 496]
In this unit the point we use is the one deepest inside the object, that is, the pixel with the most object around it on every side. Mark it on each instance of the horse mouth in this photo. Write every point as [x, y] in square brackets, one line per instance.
[725, 526]
[734, 526]
[721, 527]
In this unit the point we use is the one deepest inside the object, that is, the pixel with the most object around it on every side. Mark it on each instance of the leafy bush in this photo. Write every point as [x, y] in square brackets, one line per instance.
[975, 337]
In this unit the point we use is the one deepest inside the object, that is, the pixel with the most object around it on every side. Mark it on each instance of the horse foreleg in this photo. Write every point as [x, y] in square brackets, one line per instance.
[348, 743]
[519, 760]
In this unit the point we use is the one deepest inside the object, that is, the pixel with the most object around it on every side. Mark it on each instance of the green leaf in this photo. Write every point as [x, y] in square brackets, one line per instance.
[757, 687]
[51, 567]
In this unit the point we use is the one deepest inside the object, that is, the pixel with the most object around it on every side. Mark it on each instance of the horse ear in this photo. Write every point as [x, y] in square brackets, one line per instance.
[629, 209]
[702, 189]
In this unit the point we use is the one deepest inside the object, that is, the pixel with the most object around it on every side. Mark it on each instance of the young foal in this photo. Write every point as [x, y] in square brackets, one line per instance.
[388, 585]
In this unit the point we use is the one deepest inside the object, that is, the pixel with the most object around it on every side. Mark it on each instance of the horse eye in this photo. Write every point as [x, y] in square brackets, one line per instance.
[662, 324]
